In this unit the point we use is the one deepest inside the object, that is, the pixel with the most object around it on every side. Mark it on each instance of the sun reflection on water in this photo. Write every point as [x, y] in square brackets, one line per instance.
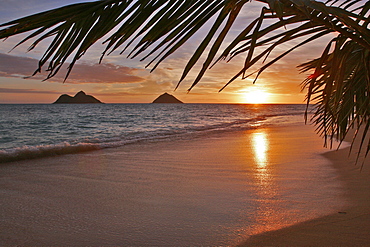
[267, 216]
[263, 174]
[260, 147]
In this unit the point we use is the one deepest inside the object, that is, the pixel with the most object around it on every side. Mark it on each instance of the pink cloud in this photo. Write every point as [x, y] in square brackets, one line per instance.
[16, 90]
[14, 66]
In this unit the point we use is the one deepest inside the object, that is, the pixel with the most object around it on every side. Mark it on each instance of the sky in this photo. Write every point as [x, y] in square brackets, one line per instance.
[121, 80]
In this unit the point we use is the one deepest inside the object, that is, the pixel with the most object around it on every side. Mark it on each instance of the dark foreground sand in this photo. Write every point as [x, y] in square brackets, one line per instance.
[348, 227]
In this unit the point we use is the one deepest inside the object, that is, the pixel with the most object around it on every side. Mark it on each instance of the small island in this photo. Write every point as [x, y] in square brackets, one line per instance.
[167, 98]
[79, 98]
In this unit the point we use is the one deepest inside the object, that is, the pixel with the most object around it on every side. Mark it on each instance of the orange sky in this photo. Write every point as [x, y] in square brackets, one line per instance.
[121, 80]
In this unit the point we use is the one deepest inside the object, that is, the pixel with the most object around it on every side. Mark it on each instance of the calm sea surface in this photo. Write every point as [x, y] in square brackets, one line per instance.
[33, 131]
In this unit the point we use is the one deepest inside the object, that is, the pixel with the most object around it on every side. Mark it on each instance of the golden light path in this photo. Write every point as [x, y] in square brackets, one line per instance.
[267, 215]
[260, 147]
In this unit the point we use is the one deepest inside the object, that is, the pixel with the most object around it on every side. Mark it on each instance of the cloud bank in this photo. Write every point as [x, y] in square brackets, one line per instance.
[18, 67]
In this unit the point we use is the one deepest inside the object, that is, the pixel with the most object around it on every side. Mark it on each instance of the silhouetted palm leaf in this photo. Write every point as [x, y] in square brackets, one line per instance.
[340, 87]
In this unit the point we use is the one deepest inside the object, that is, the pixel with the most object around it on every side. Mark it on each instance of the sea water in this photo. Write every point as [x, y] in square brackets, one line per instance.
[38, 130]
[70, 177]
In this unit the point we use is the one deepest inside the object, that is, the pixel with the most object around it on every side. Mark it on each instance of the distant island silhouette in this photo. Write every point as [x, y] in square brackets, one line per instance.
[167, 98]
[79, 98]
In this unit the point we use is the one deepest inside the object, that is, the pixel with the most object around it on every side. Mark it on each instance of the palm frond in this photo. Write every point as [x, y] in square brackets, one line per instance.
[340, 88]
[165, 25]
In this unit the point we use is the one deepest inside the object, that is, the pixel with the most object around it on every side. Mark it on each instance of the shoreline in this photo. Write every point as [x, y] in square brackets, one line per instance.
[76, 199]
[348, 227]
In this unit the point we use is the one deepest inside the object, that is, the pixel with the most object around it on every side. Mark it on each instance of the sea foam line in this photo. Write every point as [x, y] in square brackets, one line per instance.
[33, 152]
[40, 151]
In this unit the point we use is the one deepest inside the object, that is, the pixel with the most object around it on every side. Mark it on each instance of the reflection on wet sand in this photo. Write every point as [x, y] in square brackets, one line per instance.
[265, 179]
[260, 148]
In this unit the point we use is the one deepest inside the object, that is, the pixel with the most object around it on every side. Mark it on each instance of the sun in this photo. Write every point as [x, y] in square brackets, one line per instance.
[256, 96]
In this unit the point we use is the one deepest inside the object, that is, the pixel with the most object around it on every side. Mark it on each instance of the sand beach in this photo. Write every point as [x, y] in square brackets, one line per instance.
[348, 227]
[191, 193]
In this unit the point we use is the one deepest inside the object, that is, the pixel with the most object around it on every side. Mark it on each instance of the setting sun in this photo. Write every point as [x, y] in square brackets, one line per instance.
[256, 97]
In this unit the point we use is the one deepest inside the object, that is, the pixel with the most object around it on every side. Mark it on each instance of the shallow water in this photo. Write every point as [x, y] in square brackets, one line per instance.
[213, 189]
[31, 131]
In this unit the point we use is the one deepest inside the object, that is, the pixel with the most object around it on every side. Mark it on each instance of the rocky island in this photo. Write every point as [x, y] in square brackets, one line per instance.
[80, 98]
[167, 98]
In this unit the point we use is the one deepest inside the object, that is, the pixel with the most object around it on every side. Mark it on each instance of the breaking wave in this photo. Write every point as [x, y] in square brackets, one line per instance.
[53, 130]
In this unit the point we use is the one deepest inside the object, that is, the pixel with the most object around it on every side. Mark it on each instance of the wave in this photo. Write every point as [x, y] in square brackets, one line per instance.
[119, 125]
[33, 152]
[86, 145]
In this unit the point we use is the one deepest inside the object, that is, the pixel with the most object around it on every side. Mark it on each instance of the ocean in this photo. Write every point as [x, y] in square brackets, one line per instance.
[34, 131]
[158, 174]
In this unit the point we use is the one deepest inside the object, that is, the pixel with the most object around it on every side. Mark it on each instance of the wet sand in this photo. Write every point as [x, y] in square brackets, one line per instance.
[211, 190]
[348, 227]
